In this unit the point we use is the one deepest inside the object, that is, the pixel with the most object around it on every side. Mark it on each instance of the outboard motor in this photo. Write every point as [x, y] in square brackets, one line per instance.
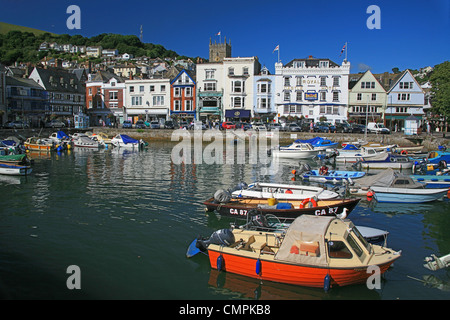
[241, 185]
[224, 237]
[222, 196]
[305, 168]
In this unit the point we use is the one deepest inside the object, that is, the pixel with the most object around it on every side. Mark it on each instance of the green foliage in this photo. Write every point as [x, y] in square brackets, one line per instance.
[24, 46]
[440, 81]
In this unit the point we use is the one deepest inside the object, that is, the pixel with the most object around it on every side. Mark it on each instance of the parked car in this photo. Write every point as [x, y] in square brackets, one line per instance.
[198, 125]
[293, 127]
[228, 125]
[276, 126]
[243, 125]
[55, 124]
[155, 125]
[344, 127]
[305, 126]
[358, 128]
[259, 126]
[373, 127]
[169, 125]
[140, 124]
[324, 127]
[127, 124]
[15, 124]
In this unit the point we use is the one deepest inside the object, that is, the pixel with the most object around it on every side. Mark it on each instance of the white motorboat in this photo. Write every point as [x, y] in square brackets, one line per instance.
[85, 142]
[284, 191]
[387, 160]
[124, 141]
[296, 150]
[350, 155]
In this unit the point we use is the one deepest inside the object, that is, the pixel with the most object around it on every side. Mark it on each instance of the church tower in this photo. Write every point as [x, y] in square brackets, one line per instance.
[219, 51]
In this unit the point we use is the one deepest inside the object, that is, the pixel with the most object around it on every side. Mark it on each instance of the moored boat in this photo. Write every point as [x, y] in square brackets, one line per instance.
[39, 144]
[408, 195]
[296, 151]
[85, 142]
[243, 207]
[315, 251]
[432, 180]
[319, 143]
[331, 176]
[15, 165]
[350, 154]
[387, 160]
[283, 191]
[124, 141]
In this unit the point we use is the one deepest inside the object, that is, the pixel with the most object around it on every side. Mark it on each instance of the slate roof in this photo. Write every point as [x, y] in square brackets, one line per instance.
[51, 80]
[312, 62]
[22, 82]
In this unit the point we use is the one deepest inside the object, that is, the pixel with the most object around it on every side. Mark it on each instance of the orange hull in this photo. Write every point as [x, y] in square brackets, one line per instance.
[289, 273]
[38, 147]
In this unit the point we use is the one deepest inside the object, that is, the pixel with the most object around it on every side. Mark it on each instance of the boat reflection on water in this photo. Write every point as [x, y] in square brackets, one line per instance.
[403, 208]
[250, 288]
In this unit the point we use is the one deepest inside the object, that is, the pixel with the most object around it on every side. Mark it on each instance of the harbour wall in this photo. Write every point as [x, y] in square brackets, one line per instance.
[429, 141]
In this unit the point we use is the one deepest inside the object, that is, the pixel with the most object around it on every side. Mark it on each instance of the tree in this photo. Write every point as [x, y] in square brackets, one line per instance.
[440, 90]
[440, 82]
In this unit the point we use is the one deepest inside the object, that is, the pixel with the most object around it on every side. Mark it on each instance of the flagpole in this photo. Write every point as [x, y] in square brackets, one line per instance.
[278, 54]
[346, 48]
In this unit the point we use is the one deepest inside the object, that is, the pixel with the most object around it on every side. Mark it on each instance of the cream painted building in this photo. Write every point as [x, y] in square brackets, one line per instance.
[238, 98]
[367, 98]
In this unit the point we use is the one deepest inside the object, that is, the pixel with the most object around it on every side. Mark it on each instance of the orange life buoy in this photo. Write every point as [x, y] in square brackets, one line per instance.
[306, 201]
[404, 152]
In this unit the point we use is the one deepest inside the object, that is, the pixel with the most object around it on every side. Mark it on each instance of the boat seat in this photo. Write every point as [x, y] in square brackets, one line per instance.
[260, 247]
[248, 244]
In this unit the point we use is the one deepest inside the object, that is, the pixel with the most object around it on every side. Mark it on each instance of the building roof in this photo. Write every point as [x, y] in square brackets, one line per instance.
[55, 79]
[22, 82]
[312, 62]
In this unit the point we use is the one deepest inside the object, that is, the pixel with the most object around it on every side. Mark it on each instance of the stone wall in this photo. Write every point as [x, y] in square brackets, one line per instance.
[430, 142]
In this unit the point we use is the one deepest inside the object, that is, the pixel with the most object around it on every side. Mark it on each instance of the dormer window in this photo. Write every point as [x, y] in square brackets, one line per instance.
[323, 64]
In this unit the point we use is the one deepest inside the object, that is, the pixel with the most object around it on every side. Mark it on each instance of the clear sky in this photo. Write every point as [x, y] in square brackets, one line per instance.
[413, 33]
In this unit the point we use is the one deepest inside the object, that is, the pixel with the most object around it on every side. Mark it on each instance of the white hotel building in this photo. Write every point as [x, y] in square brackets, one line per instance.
[148, 98]
[312, 88]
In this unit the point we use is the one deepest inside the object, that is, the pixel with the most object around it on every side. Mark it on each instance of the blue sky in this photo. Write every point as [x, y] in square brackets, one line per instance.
[413, 33]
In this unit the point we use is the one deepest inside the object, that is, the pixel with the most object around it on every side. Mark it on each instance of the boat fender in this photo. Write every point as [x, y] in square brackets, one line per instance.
[306, 203]
[327, 283]
[258, 267]
[220, 263]
[370, 195]
[294, 171]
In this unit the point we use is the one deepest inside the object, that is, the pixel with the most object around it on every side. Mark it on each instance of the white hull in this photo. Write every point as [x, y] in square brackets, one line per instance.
[293, 154]
[15, 171]
[278, 191]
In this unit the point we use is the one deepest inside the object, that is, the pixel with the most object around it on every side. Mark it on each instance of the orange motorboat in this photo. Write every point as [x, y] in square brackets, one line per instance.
[315, 251]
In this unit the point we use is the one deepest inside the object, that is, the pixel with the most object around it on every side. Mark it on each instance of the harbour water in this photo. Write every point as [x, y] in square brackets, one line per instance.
[126, 219]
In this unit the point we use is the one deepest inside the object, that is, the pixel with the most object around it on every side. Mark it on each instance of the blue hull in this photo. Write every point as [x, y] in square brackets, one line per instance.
[432, 181]
[400, 195]
[333, 176]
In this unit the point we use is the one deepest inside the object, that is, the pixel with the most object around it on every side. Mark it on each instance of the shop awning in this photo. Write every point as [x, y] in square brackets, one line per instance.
[237, 113]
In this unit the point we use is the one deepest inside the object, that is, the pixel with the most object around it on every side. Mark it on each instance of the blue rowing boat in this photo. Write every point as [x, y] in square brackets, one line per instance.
[333, 176]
